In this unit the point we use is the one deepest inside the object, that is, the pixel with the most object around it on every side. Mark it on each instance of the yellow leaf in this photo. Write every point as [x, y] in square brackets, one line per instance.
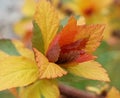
[91, 70]
[113, 93]
[29, 7]
[46, 69]
[49, 89]
[32, 91]
[47, 19]
[16, 71]
[23, 50]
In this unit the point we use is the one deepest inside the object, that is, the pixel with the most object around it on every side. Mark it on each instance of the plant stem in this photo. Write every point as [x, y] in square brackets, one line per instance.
[70, 92]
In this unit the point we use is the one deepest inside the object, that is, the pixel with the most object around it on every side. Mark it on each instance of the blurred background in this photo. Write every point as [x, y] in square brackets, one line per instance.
[16, 23]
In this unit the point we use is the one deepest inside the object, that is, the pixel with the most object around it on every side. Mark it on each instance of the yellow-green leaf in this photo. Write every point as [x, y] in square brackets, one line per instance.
[47, 19]
[91, 70]
[15, 48]
[8, 47]
[41, 89]
[17, 71]
[32, 91]
[49, 89]
[23, 51]
[113, 93]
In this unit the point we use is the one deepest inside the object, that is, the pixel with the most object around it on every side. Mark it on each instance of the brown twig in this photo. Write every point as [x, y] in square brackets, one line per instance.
[71, 92]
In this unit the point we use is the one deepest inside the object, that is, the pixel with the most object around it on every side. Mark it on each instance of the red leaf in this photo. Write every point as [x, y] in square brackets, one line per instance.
[70, 52]
[53, 50]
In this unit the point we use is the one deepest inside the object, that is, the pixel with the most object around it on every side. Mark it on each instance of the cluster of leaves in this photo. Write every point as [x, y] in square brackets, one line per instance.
[61, 50]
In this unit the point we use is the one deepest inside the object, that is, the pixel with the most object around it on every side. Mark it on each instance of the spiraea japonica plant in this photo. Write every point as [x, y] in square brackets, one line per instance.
[56, 51]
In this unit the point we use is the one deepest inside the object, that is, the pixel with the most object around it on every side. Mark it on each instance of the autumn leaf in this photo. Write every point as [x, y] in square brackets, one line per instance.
[73, 44]
[16, 72]
[94, 35]
[48, 21]
[68, 33]
[90, 70]
[47, 69]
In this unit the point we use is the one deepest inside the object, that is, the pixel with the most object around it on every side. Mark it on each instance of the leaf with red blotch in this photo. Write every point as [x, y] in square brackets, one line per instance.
[47, 19]
[47, 70]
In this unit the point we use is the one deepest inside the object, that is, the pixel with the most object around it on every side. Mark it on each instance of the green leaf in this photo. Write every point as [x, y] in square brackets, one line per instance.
[37, 40]
[17, 71]
[8, 47]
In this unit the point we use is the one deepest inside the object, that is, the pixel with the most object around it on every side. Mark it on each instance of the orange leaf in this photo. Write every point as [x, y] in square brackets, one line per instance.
[94, 35]
[68, 32]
